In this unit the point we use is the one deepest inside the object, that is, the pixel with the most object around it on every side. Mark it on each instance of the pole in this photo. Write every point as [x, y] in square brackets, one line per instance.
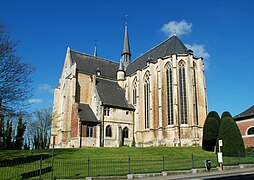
[53, 145]
[220, 155]
[220, 162]
[129, 165]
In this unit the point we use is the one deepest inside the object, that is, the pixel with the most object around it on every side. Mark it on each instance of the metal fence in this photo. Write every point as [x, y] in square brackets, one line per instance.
[57, 169]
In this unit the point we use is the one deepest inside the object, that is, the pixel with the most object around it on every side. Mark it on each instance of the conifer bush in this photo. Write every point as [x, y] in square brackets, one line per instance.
[210, 134]
[215, 115]
[231, 137]
[225, 114]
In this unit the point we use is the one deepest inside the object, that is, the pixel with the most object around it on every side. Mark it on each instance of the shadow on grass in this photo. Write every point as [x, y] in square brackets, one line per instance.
[24, 160]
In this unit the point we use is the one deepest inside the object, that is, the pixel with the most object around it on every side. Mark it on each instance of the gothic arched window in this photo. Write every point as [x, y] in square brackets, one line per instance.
[195, 97]
[250, 131]
[125, 132]
[134, 92]
[108, 131]
[147, 99]
[183, 98]
[169, 77]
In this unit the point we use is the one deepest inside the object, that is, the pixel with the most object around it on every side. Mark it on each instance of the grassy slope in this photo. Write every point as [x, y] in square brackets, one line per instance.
[73, 163]
[106, 153]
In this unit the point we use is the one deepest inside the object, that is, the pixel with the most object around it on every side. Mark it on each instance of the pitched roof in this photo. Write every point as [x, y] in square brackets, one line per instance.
[111, 94]
[249, 113]
[173, 45]
[86, 113]
[126, 44]
[90, 64]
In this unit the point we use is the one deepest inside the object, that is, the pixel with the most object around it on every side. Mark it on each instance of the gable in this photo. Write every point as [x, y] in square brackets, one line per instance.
[111, 94]
[171, 46]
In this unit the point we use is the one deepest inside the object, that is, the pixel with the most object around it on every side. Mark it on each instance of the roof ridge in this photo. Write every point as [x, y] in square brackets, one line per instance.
[95, 57]
[153, 48]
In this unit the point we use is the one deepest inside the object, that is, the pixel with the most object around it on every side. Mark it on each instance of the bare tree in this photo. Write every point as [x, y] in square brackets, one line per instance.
[40, 128]
[15, 80]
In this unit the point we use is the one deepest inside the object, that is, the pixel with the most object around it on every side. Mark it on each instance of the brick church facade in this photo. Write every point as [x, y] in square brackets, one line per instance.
[158, 99]
[245, 122]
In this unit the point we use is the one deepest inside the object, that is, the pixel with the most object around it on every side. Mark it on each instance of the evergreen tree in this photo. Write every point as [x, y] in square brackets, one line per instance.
[210, 133]
[20, 133]
[231, 137]
[8, 135]
[1, 130]
[225, 114]
[215, 115]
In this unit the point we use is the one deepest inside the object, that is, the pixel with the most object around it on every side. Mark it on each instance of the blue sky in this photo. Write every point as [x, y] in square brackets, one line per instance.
[222, 31]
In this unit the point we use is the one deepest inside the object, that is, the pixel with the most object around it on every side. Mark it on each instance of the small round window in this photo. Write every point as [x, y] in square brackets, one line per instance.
[250, 131]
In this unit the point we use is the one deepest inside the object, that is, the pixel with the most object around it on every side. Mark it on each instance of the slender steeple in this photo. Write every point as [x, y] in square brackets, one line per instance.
[95, 51]
[126, 54]
[95, 48]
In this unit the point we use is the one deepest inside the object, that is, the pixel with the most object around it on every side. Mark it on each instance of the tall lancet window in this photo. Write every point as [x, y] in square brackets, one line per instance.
[147, 99]
[134, 92]
[183, 98]
[195, 99]
[169, 78]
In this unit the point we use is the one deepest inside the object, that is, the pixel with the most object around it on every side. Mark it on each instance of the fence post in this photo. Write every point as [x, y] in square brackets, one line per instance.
[40, 167]
[88, 168]
[129, 165]
[239, 158]
[192, 161]
[163, 163]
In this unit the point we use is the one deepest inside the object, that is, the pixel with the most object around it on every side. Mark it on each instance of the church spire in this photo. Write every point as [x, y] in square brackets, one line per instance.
[95, 51]
[95, 48]
[126, 54]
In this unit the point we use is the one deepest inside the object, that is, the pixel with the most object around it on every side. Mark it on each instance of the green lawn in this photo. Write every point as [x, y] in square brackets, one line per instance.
[79, 163]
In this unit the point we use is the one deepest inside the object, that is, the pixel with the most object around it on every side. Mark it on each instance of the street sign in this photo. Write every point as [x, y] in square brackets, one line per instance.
[220, 143]
[220, 157]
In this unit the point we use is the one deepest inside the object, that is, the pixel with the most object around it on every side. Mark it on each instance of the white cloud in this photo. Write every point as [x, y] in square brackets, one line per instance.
[178, 28]
[199, 51]
[46, 88]
[34, 101]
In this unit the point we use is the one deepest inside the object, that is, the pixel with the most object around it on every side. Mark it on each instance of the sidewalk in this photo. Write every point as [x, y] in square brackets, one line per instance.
[228, 171]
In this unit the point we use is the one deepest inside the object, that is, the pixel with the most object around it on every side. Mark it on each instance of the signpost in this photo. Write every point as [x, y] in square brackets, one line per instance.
[220, 160]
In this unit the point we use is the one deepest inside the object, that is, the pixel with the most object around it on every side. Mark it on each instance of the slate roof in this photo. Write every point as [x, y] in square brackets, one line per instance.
[111, 94]
[90, 64]
[86, 113]
[126, 44]
[173, 45]
[249, 113]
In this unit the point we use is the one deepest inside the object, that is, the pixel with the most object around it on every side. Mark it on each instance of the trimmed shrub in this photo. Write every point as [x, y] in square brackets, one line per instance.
[225, 114]
[215, 115]
[210, 134]
[231, 137]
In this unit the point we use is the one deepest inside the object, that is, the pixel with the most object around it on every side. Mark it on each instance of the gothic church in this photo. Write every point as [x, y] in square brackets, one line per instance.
[158, 99]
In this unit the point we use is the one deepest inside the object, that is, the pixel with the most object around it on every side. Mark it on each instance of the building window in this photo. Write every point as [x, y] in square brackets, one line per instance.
[125, 132]
[134, 93]
[147, 100]
[183, 98]
[108, 131]
[170, 95]
[195, 99]
[106, 111]
[250, 131]
[90, 131]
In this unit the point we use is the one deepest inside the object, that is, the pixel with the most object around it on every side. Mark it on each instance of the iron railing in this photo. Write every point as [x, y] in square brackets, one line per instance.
[57, 169]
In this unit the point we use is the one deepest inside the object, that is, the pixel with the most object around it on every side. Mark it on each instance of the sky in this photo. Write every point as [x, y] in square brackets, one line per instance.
[221, 31]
